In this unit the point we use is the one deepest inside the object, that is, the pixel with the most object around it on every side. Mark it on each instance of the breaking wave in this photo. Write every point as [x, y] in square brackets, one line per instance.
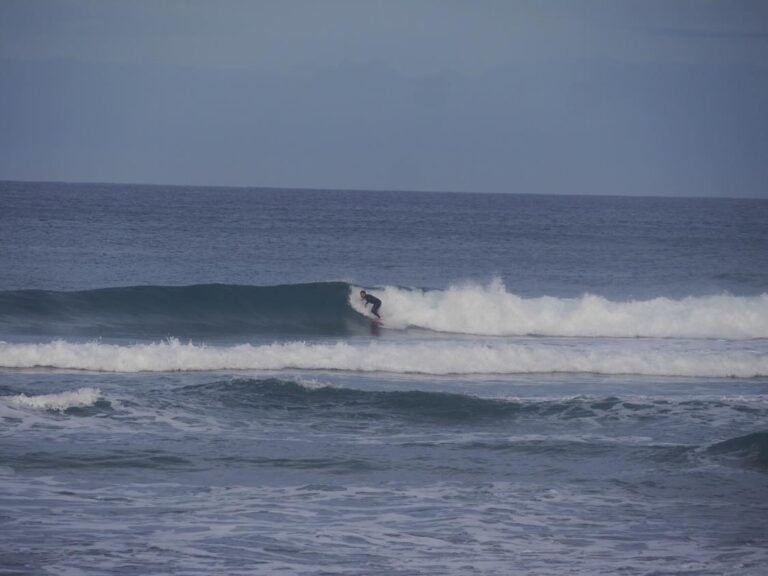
[441, 357]
[60, 402]
[491, 310]
[334, 309]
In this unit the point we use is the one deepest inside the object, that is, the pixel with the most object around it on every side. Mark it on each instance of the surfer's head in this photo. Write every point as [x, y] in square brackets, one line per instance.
[362, 293]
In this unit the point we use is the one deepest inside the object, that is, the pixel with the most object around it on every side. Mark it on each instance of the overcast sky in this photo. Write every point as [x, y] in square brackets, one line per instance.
[666, 97]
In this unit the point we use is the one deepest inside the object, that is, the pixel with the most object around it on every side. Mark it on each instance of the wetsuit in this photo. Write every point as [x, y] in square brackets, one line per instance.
[376, 304]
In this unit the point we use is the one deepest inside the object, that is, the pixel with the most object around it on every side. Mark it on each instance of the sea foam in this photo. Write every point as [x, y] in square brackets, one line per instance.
[492, 310]
[625, 356]
[58, 402]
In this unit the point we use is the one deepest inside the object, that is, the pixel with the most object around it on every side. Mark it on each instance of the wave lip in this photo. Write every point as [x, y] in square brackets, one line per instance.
[60, 402]
[435, 357]
[492, 311]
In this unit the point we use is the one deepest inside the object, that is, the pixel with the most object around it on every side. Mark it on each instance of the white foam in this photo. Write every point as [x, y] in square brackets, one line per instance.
[311, 383]
[624, 356]
[59, 402]
[491, 310]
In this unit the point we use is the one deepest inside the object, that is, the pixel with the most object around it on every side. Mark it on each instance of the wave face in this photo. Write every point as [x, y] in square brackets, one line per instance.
[751, 449]
[336, 403]
[491, 310]
[650, 358]
[200, 310]
[335, 309]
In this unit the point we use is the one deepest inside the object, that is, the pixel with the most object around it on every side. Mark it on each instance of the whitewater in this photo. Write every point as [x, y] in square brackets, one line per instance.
[492, 310]
[421, 357]
[464, 329]
[190, 384]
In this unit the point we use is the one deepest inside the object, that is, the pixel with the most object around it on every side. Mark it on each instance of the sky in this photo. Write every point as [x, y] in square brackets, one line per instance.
[620, 97]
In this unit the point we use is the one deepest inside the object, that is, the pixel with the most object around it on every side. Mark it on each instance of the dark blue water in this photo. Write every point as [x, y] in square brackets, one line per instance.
[74, 237]
[189, 383]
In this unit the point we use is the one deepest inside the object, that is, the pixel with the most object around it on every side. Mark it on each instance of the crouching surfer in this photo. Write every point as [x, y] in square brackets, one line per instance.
[371, 299]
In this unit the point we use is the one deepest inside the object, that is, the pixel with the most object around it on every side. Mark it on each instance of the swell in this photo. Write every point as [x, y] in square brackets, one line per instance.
[184, 311]
[262, 399]
[443, 408]
[334, 309]
[332, 402]
[313, 403]
[750, 450]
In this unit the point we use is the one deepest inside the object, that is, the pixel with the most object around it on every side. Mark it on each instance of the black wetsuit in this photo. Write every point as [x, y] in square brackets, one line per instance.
[376, 304]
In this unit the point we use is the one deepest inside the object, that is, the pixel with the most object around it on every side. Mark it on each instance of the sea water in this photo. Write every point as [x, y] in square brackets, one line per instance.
[189, 383]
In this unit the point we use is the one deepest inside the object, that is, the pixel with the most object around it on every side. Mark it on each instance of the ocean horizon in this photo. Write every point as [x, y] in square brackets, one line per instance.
[190, 382]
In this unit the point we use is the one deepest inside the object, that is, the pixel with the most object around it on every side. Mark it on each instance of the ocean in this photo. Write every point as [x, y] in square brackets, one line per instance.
[190, 384]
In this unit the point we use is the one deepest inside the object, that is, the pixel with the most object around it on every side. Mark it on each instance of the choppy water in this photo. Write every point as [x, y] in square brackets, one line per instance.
[190, 385]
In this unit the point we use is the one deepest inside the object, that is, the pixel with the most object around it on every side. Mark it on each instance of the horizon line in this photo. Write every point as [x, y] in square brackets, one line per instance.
[369, 190]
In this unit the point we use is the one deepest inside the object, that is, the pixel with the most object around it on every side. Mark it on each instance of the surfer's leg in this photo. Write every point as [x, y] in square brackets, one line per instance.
[375, 310]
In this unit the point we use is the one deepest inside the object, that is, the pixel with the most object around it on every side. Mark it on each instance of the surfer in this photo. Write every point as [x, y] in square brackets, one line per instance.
[370, 299]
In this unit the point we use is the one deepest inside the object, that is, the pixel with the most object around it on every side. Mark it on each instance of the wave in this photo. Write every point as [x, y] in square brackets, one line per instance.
[332, 402]
[335, 309]
[751, 449]
[60, 402]
[491, 310]
[186, 311]
[442, 357]
[337, 404]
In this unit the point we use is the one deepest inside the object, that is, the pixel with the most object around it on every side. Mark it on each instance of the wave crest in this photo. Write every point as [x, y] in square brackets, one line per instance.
[437, 357]
[60, 402]
[335, 309]
[491, 310]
